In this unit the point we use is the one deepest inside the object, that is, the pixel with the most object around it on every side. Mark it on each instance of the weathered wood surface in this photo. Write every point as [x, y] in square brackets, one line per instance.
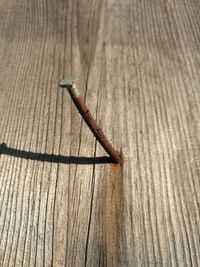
[138, 68]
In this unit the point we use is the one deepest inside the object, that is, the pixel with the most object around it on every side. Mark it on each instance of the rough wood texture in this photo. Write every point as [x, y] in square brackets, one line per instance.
[138, 69]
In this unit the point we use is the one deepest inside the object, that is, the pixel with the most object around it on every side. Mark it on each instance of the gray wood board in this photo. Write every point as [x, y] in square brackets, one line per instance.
[138, 67]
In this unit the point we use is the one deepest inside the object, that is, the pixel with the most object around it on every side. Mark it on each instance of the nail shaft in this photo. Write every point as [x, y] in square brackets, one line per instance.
[88, 118]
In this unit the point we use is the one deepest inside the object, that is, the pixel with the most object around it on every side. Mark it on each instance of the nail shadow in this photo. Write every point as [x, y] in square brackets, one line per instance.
[4, 149]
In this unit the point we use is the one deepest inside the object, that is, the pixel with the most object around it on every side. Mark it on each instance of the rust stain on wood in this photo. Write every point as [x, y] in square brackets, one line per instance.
[114, 212]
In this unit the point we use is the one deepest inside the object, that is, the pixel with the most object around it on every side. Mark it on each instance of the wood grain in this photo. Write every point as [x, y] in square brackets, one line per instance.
[138, 67]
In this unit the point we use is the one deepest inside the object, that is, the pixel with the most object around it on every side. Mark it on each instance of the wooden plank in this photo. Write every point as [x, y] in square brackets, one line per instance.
[138, 66]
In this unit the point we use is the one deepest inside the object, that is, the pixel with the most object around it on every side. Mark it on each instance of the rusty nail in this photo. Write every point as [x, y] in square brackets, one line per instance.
[88, 118]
